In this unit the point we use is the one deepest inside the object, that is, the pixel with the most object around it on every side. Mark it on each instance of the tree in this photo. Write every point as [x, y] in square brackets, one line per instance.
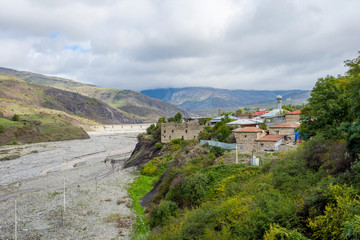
[177, 118]
[15, 118]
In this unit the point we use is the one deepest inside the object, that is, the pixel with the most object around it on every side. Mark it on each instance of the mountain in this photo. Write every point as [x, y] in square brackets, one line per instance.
[133, 104]
[200, 98]
[25, 95]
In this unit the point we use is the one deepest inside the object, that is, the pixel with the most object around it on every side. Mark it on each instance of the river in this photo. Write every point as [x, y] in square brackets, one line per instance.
[95, 189]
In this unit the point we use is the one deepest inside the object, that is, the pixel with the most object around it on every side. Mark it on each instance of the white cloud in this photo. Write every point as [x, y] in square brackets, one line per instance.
[140, 44]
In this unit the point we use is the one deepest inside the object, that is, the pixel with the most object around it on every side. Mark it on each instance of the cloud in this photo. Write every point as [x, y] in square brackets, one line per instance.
[140, 44]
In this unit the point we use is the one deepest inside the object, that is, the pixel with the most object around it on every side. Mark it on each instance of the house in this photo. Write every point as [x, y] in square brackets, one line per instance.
[274, 117]
[242, 123]
[246, 138]
[288, 129]
[270, 142]
[293, 116]
[218, 119]
[242, 116]
[186, 131]
[259, 113]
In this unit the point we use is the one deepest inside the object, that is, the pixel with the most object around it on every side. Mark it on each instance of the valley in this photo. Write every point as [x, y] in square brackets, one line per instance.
[97, 204]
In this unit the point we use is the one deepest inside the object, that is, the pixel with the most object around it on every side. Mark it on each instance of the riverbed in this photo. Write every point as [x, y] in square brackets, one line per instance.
[68, 190]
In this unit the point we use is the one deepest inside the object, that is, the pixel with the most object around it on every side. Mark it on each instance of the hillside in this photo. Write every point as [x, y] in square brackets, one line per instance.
[134, 104]
[49, 114]
[199, 98]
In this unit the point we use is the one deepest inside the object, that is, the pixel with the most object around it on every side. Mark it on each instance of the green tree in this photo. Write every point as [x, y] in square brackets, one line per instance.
[15, 118]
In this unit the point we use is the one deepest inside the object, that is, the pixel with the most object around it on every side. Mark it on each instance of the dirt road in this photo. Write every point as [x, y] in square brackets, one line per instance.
[96, 200]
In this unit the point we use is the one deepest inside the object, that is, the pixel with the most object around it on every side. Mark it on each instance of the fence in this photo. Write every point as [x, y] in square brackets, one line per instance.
[219, 144]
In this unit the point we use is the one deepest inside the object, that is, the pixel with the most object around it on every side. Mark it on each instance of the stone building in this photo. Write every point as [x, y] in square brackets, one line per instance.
[288, 129]
[293, 116]
[186, 131]
[270, 142]
[246, 138]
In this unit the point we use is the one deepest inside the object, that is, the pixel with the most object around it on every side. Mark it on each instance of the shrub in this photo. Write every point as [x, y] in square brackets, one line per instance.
[15, 118]
[217, 151]
[162, 213]
[158, 145]
[12, 143]
[150, 168]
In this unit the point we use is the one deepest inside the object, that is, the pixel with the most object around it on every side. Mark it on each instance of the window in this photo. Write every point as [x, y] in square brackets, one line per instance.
[169, 137]
[186, 131]
[172, 131]
[261, 144]
[277, 131]
[164, 131]
[241, 147]
[245, 136]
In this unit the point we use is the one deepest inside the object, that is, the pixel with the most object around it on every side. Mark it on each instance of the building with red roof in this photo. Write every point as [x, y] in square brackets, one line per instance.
[293, 116]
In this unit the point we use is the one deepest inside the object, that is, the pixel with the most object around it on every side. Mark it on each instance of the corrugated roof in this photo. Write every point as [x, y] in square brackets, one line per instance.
[297, 112]
[247, 129]
[271, 138]
[218, 119]
[246, 122]
[287, 125]
[272, 114]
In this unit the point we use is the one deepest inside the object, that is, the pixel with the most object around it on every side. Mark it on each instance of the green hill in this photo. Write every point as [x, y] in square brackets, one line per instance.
[134, 104]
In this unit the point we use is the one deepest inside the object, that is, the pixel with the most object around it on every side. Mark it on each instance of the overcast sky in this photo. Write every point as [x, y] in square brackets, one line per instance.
[143, 44]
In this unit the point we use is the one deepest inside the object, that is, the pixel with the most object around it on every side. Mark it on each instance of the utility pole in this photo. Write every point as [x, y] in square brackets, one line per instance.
[64, 195]
[236, 153]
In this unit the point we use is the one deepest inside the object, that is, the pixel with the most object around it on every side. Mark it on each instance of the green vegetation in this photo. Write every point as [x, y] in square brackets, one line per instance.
[176, 119]
[15, 118]
[220, 132]
[312, 192]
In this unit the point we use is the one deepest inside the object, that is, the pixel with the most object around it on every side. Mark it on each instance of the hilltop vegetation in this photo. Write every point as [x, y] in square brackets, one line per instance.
[311, 192]
[48, 114]
[131, 103]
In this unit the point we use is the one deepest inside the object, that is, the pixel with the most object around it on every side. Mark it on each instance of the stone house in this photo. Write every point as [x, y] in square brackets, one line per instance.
[186, 131]
[270, 142]
[246, 138]
[293, 116]
[288, 129]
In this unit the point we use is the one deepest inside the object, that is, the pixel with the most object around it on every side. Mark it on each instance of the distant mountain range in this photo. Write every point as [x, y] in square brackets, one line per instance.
[132, 104]
[200, 98]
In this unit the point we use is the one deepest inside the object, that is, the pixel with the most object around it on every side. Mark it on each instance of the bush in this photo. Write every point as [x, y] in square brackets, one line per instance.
[12, 143]
[162, 213]
[217, 151]
[158, 145]
[150, 168]
[190, 192]
[15, 118]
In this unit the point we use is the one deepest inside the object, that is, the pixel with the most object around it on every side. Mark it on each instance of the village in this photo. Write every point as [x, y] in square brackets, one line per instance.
[280, 132]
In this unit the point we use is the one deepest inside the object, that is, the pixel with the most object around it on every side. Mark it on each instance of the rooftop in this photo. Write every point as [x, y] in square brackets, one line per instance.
[297, 112]
[272, 114]
[218, 119]
[271, 138]
[259, 113]
[246, 122]
[248, 130]
[287, 125]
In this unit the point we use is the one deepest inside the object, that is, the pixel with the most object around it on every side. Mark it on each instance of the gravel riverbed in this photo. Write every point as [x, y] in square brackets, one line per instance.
[97, 205]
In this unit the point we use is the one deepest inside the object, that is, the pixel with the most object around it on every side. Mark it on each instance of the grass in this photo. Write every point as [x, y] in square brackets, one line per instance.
[138, 189]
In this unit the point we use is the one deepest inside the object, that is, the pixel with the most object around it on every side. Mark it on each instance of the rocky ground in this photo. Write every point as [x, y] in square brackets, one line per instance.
[97, 205]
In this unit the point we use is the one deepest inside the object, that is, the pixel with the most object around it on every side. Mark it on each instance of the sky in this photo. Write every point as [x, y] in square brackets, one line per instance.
[146, 44]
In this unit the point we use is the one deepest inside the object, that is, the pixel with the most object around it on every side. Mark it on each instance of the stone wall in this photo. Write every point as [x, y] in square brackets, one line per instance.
[290, 132]
[186, 131]
[268, 146]
[246, 141]
[292, 118]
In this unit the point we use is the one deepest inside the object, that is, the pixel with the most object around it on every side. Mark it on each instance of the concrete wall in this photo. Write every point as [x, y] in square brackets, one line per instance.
[292, 118]
[187, 131]
[120, 128]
